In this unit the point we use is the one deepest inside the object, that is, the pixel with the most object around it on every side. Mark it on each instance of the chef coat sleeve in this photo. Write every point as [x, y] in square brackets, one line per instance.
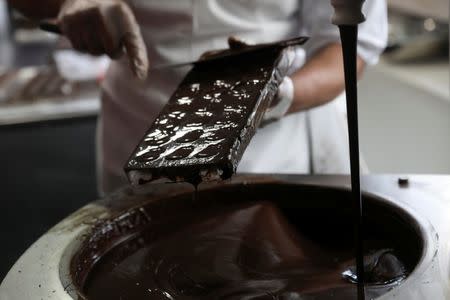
[315, 21]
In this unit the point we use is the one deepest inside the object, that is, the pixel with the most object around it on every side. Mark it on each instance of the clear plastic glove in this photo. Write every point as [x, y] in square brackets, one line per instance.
[105, 27]
[234, 44]
[296, 57]
[285, 96]
[281, 104]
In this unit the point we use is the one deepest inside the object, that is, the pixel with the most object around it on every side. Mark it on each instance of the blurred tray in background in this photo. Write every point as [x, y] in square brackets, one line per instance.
[39, 93]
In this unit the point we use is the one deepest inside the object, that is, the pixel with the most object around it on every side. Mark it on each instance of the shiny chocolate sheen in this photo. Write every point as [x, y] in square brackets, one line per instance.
[210, 119]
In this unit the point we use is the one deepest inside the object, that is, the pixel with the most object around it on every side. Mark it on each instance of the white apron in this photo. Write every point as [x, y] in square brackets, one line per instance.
[176, 31]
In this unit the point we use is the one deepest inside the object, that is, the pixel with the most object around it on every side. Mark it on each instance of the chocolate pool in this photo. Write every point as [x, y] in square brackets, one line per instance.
[280, 237]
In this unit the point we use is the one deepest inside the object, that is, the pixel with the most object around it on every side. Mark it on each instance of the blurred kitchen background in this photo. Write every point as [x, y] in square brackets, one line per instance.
[49, 100]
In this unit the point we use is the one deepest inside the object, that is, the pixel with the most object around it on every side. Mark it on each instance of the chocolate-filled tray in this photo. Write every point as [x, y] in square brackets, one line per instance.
[203, 131]
[247, 239]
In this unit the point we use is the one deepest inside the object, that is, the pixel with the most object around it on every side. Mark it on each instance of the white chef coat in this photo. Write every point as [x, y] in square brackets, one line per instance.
[181, 30]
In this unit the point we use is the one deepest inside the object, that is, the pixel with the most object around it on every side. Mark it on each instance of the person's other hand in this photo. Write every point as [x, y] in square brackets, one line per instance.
[105, 27]
[296, 57]
[234, 44]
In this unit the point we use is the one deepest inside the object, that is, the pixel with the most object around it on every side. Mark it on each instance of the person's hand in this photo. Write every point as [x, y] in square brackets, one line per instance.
[105, 27]
[234, 44]
[282, 102]
[295, 59]
[280, 106]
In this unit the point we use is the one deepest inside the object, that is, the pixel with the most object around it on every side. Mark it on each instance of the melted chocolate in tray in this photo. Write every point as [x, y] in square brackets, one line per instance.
[210, 119]
[250, 250]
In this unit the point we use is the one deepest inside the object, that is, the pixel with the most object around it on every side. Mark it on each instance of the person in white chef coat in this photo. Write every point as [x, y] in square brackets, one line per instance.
[308, 129]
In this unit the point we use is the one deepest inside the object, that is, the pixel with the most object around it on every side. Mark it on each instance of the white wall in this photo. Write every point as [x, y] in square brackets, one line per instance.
[405, 119]
[3, 19]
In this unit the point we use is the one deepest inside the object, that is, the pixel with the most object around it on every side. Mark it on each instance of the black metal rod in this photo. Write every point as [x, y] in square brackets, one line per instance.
[349, 37]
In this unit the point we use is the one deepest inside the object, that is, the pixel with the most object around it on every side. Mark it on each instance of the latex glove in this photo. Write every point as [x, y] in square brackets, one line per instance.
[281, 104]
[234, 43]
[285, 96]
[296, 57]
[105, 27]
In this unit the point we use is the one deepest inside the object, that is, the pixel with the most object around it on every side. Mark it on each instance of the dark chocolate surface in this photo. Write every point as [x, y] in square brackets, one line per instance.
[241, 243]
[210, 119]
